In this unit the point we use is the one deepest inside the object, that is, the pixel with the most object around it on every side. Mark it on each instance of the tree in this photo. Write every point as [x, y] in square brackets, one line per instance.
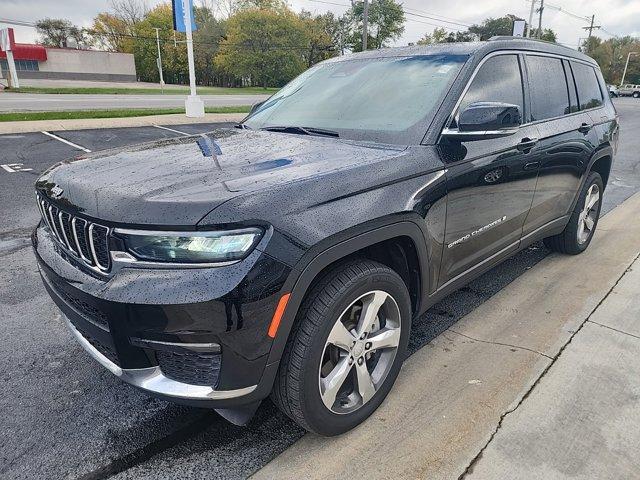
[385, 23]
[493, 26]
[174, 56]
[263, 47]
[131, 12]
[439, 35]
[547, 34]
[112, 33]
[322, 34]
[274, 5]
[54, 32]
[611, 55]
[490, 27]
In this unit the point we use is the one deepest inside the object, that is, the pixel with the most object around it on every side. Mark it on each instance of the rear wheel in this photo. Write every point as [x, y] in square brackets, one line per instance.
[577, 235]
[346, 349]
[636, 94]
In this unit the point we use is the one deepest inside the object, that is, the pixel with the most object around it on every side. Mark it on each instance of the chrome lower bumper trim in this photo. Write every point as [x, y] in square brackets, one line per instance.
[153, 380]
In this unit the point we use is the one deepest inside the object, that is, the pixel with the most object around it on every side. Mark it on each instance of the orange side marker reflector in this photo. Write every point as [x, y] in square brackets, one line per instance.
[277, 316]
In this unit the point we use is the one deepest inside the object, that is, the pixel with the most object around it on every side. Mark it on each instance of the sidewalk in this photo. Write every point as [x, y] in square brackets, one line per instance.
[527, 385]
[582, 421]
[91, 123]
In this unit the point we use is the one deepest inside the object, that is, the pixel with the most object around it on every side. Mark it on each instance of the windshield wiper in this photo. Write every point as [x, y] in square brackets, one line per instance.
[302, 130]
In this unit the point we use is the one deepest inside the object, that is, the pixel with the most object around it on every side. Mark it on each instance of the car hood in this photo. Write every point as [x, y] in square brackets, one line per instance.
[178, 181]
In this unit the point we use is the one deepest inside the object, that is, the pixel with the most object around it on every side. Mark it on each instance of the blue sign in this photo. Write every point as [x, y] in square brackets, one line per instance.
[178, 15]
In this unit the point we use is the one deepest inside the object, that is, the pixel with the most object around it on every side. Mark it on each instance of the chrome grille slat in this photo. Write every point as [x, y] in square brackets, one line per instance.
[52, 223]
[64, 234]
[87, 241]
[93, 233]
[82, 246]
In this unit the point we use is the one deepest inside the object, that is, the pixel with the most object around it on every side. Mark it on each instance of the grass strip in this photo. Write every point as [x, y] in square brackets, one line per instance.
[145, 91]
[129, 112]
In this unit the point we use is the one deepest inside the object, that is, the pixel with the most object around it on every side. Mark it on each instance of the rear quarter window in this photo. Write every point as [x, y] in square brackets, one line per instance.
[589, 92]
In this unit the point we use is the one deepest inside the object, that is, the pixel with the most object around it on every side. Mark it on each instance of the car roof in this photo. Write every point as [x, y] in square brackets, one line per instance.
[473, 48]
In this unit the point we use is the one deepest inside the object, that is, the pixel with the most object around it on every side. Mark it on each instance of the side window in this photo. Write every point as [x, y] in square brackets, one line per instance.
[548, 87]
[498, 80]
[589, 92]
[573, 94]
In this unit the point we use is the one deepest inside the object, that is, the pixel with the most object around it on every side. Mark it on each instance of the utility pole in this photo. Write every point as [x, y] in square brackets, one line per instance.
[365, 25]
[540, 10]
[529, 29]
[159, 59]
[591, 27]
[626, 65]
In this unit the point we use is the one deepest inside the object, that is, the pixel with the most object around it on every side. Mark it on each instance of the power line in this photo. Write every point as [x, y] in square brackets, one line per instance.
[17, 22]
[419, 15]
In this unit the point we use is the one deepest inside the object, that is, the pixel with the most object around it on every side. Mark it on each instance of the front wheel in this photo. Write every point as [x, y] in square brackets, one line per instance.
[346, 349]
[636, 94]
[577, 235]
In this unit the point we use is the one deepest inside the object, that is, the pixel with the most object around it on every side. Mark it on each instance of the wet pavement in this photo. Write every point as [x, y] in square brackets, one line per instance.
[62, 415]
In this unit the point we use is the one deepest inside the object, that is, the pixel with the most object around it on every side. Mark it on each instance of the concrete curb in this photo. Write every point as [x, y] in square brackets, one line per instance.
[127, 122]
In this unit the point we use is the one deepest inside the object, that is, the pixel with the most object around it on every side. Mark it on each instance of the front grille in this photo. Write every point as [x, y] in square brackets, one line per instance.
[193, 368]
[87, 241]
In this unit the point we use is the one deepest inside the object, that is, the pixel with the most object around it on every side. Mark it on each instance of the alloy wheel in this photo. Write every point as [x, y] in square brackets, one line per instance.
[359, 352]
[589, 214]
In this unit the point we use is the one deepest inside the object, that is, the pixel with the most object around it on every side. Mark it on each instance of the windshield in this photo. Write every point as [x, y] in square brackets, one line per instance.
[381, 99]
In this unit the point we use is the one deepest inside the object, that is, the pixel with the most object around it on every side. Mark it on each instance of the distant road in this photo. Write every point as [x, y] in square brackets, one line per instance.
[16, 102]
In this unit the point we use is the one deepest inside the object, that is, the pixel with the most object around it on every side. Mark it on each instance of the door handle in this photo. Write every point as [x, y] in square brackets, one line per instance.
[531, 166]
[527, 144]
[585, 127]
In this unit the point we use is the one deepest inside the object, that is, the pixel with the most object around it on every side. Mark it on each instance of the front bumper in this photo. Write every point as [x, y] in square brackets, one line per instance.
[192, 336]
[153, 380]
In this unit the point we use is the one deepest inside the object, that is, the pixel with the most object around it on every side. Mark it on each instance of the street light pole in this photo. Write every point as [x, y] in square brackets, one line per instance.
[365, 25]
[626, 65]
[529, 29]
[194, 106]
[159, 59]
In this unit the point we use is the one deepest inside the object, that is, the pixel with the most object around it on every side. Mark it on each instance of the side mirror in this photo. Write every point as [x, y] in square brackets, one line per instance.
[485, 120]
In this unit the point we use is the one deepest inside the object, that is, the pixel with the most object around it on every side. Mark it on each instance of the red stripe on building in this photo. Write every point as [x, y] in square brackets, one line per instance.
[25, 51]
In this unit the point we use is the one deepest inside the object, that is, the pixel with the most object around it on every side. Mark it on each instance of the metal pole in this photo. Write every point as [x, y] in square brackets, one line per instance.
[365, 25]
[626, 65]
[529, 29]
[193, 105]
[540, 19]
[159, 59]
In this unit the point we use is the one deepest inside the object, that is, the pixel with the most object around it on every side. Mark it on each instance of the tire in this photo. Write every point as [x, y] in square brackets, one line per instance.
[636, 94]
[310, 359]
[573, 240]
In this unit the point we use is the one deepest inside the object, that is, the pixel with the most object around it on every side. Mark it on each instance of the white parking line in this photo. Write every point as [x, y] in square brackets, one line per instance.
[60, 139]
[172, 130]
[15, 167]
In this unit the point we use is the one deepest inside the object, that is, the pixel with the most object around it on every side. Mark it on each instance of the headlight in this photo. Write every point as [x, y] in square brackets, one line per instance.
[190, 247]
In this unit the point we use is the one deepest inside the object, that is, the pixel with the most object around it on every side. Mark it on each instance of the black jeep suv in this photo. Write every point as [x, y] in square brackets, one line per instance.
[288, 256]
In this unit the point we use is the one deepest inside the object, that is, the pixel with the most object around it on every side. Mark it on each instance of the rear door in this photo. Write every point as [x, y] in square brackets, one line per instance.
[490, 183]
[567, 138]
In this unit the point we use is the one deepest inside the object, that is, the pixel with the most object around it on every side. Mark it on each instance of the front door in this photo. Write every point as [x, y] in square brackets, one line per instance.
[490, 183]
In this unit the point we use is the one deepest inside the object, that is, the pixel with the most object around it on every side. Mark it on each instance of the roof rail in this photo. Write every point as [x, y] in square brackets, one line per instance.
[527, 39]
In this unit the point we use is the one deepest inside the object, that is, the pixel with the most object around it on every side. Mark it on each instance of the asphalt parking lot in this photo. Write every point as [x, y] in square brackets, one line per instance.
[63, 416]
